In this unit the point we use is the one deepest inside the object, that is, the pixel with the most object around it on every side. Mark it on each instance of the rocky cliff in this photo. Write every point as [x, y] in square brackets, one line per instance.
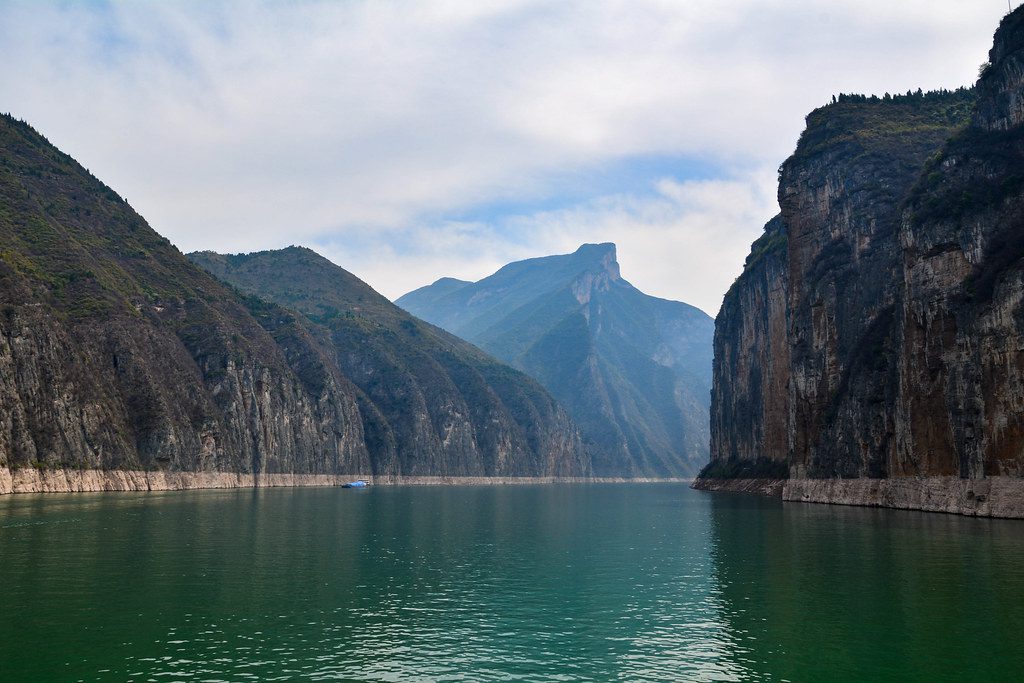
[876, 330]
[749, 407]
[117, 353]
[633, 370]
[960, 366]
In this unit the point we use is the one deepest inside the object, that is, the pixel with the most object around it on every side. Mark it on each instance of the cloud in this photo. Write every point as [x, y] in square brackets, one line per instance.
[367, 128]
[681, 240]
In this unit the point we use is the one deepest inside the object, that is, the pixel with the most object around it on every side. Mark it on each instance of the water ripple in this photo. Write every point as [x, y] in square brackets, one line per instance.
[555, 583]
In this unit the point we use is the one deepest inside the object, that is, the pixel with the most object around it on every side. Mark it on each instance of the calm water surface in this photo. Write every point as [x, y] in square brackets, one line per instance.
[532, 583]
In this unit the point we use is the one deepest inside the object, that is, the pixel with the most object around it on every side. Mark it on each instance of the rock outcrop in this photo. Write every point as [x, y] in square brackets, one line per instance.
[118, 354]
[633, 370]
[876, 332]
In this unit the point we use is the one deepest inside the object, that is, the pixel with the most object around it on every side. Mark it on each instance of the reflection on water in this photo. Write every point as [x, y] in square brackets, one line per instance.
[582, 582]
[818, 592]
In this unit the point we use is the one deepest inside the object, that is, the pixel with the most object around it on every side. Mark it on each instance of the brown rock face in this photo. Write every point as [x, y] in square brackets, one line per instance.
[961, 362]
[878, 328]
[840, 195]
[749, 407]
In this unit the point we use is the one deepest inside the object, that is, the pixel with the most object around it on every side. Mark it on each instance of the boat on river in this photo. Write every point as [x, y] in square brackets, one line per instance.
[357, 484]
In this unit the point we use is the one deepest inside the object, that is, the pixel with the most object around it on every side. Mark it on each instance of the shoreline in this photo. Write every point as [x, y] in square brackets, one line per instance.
[31, 480]
[996, 497]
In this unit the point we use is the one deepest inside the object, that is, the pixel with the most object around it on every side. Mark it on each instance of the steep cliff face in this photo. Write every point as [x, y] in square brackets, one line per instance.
[903, 224]
[749, 405]
[117, 353]
[840, 197]
[633, 370]
[440, 403]
[961, 364]
[805, 376]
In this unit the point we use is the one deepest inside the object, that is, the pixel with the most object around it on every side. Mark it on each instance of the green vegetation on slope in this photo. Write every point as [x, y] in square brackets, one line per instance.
[117, 352]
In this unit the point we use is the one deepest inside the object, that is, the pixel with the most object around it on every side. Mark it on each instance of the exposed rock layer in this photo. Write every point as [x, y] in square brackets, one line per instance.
[986, 497]
[874, 345]
[762, 487]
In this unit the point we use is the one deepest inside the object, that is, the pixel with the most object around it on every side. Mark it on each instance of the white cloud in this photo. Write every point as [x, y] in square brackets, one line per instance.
[363, 125]
[685, 240]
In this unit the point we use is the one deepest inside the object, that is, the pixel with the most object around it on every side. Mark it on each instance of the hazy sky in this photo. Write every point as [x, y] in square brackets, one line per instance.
[411, 140]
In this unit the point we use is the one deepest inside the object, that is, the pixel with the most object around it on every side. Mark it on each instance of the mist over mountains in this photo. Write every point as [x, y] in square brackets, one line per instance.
[633, 370]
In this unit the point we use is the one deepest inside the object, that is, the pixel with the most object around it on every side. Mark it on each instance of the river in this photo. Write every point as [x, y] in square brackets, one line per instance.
[525, 582]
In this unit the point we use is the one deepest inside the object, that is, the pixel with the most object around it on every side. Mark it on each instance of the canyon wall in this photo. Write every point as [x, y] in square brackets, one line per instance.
[876, 331]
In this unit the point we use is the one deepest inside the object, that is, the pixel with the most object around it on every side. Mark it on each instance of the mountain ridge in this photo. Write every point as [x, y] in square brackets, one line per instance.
[576, 325]
[117, 354]
[418, 362]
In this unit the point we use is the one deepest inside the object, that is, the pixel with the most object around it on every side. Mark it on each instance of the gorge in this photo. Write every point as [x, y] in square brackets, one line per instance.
[125, 366]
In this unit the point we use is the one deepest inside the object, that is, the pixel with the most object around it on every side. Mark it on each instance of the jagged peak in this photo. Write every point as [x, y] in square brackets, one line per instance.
[596, 250]
[601, 255]
[601, 270]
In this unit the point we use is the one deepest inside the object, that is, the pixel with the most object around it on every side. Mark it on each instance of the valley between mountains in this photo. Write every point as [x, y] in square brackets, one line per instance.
[124, 364]
[869, 353]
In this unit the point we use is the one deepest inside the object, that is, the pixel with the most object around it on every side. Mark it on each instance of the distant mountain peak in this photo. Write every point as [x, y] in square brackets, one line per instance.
[603, 252]
[634, 369]
[603, 256]
[449, 281]
[599, 250]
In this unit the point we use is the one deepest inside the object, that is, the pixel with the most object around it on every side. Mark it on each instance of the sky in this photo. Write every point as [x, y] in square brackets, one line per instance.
[407, 141]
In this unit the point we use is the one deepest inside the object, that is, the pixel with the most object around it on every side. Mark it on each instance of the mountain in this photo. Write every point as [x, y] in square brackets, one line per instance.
[118, 355]
[437, 402]
[870, 353]
[633, 370]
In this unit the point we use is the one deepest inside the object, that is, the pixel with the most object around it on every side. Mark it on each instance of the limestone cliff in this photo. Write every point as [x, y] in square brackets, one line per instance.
[116, 353]
[749, 408]
[961, 352]
[881, 335]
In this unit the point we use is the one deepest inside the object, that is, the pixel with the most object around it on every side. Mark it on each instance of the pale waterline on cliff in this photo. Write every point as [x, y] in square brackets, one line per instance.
[31, 480]
[1001, 497]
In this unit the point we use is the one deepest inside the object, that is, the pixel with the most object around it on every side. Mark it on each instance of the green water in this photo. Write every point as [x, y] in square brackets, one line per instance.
[534, 583]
